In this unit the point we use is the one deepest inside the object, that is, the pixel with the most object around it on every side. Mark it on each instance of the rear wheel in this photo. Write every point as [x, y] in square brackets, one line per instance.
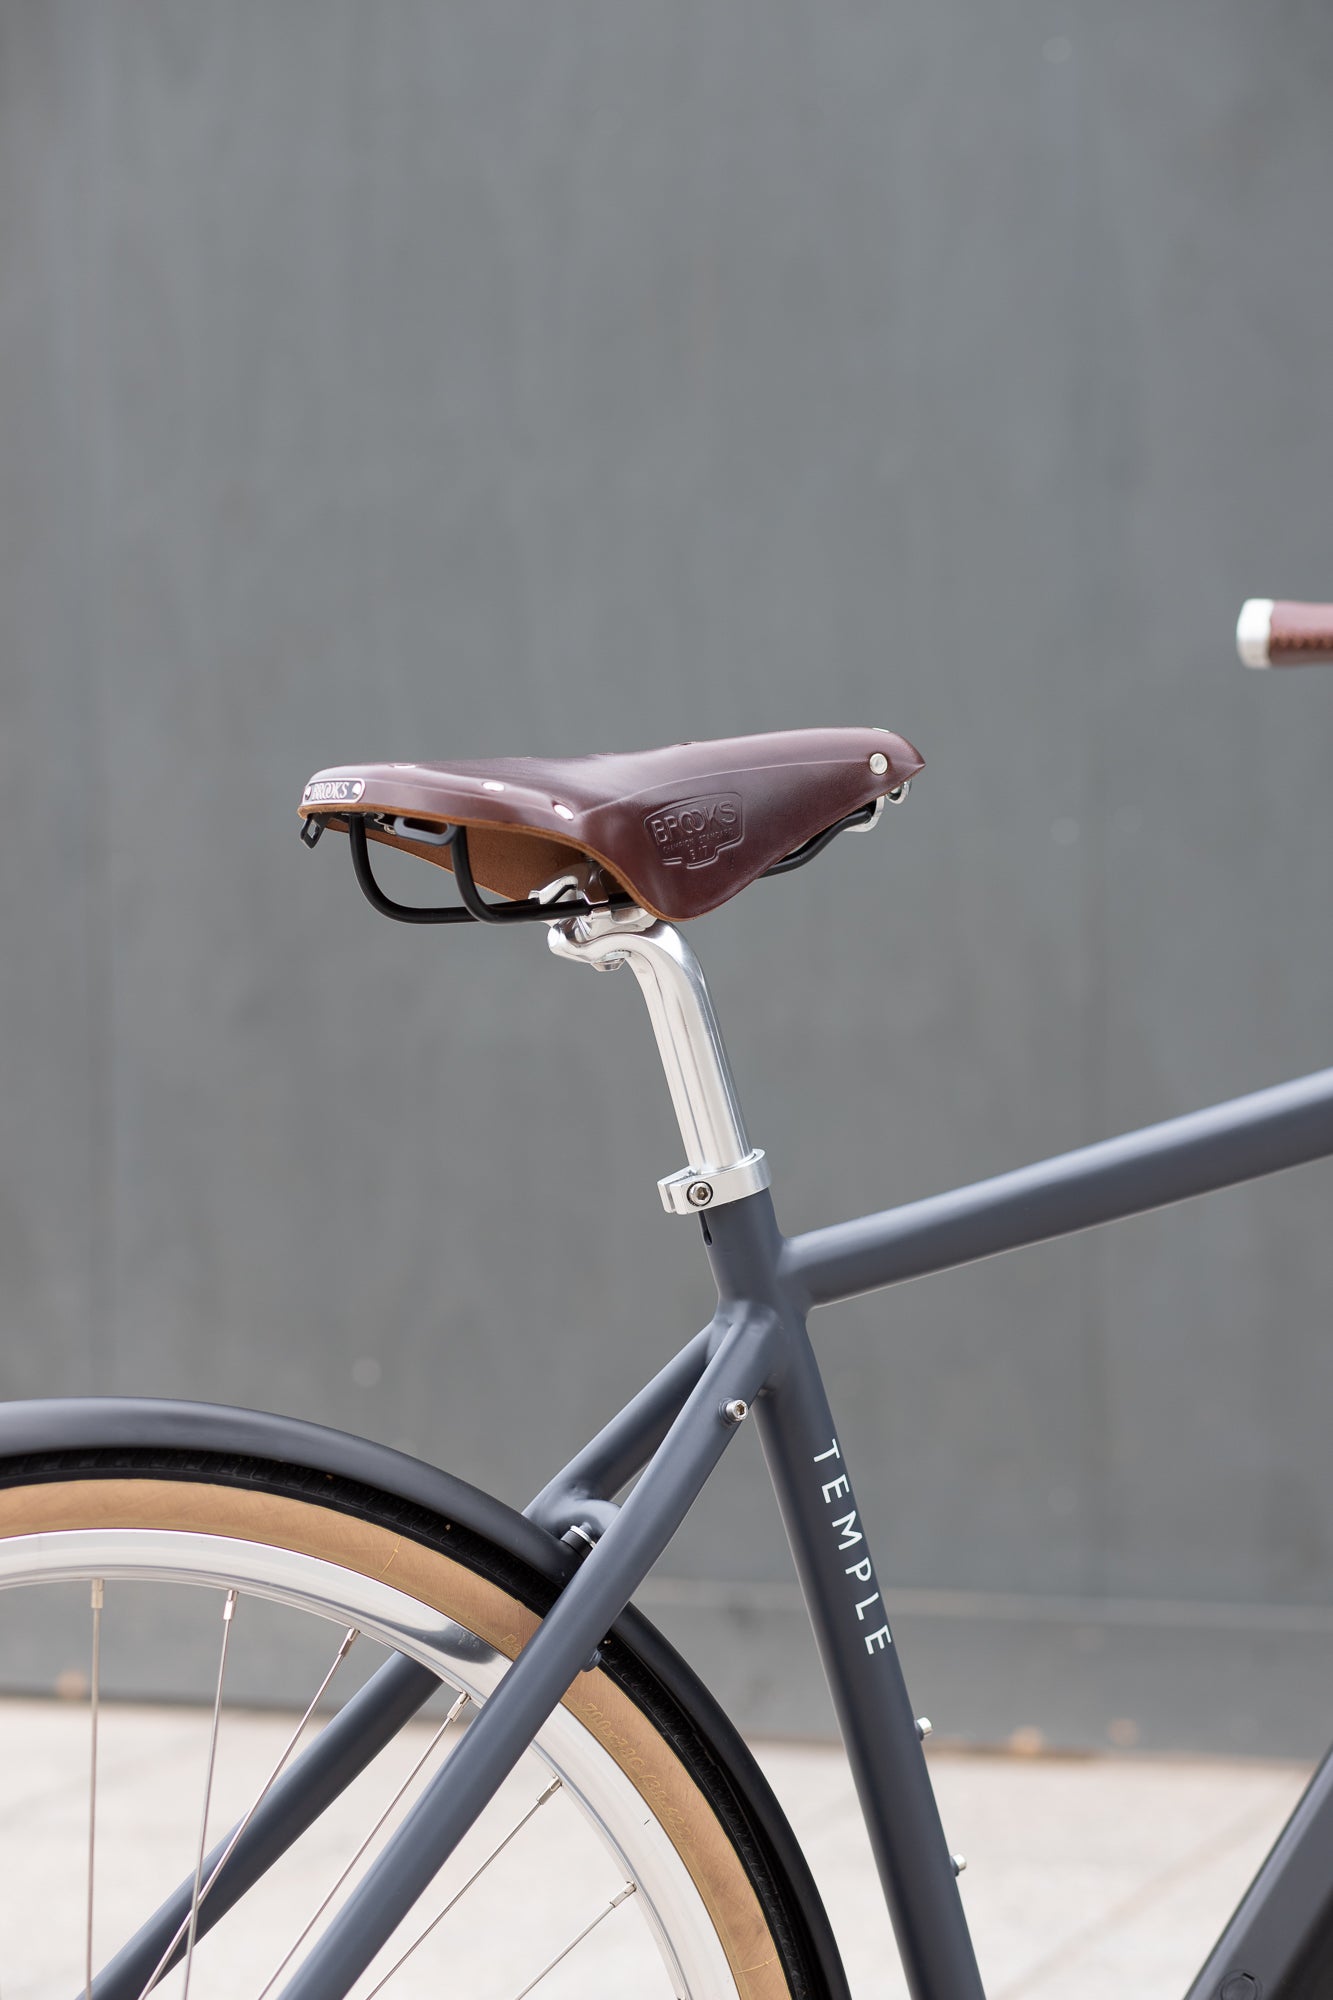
[635, 1849]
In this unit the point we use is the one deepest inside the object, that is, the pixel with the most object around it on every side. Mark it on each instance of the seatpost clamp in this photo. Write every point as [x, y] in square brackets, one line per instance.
[723, 1167]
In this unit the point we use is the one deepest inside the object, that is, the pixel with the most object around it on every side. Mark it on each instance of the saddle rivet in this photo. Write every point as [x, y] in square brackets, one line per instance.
[879, 763]
[699, 1193]
[959, 1863]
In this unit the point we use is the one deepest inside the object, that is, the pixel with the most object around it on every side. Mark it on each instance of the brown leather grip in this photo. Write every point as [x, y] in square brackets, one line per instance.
[1300, 635]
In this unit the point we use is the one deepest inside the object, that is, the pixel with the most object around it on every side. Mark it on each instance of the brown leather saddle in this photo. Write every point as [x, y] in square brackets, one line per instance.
[679, 830]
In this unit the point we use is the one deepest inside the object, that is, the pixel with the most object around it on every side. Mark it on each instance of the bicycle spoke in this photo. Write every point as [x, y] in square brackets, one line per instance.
[475, 1876]
[201, 1888]
[452, 1716]
[622, 1896]
[228, 1614]
[94, 1701]
[191, 1924]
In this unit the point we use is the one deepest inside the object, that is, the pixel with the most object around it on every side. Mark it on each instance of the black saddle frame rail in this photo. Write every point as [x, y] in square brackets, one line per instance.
[757, 1350]
[473, 907]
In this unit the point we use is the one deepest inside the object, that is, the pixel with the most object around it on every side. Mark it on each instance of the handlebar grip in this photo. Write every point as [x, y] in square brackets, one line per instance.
[1283, 633]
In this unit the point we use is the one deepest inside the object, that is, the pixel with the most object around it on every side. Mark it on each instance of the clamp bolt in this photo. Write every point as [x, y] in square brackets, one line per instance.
[699, 1193]
[736, 1411]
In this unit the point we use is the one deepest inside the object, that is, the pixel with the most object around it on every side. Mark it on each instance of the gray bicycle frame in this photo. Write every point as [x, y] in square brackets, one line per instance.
[756, 1356]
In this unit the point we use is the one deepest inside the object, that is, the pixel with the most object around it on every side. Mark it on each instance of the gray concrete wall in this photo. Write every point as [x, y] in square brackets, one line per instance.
[423, 380]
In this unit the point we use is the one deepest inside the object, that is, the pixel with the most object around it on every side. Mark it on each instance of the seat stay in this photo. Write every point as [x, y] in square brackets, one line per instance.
[563, 1645]
[581, 1497]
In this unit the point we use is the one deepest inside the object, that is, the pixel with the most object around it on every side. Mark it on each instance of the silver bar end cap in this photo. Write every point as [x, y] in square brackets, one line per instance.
[1253, 630]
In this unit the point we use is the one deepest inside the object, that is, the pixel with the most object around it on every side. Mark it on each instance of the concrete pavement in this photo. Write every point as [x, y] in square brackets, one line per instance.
[1088, 1878]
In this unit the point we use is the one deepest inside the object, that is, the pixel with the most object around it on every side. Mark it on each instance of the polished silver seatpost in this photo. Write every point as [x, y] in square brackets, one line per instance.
[722, 1164]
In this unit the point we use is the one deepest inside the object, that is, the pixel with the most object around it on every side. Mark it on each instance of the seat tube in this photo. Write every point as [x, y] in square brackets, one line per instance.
[829, 1544]
[726, 1183]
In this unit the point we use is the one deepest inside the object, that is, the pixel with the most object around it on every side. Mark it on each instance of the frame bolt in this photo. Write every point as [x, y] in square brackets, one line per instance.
[924, 1725]
[736, 1411]
[699, 1193]
[879, 763]
[959, 1863]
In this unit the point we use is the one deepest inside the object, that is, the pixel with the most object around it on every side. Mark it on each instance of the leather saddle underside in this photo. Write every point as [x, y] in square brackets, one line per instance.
[681, 829]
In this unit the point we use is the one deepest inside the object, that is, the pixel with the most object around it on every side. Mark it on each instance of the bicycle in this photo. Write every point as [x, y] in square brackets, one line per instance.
[522, 1623]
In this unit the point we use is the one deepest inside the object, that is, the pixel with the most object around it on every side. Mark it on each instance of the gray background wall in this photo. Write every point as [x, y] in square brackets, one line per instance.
[430, 379]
